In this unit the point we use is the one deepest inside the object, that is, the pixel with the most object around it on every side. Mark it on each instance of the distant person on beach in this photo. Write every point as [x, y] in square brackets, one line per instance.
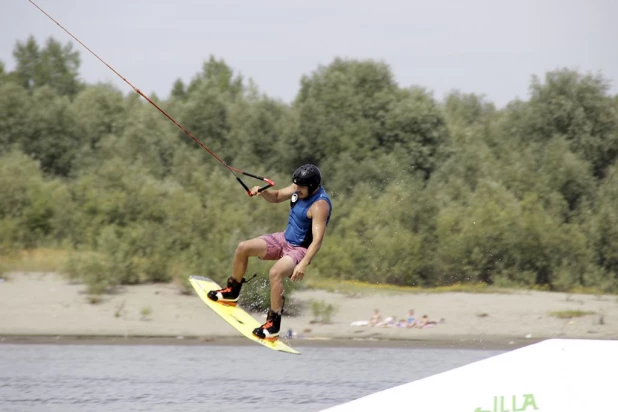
[411, 320]
[424, 322]
[388, 321]
[375, 318]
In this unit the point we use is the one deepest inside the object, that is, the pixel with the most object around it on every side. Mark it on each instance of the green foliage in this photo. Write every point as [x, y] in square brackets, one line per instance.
[322, 311]
[568, 314]
[578, 108]
[378, 242]
[179, 90]
[54, 65]
[51, 137]
[93, 269]
[601, 222]
[258, 126]
[99, 112]
[25, 212]
[216, 74]
[467, 109]
[145, 313]
[341, 106]
[425, 192]
[352, 111]
[14, 106]
[500, 239]
[415, 128]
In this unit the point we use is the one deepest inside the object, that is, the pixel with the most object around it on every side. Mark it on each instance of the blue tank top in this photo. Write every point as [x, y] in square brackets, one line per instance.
[298, 232]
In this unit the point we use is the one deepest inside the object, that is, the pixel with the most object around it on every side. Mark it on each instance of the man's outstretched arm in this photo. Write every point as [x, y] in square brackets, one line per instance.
[275, 196]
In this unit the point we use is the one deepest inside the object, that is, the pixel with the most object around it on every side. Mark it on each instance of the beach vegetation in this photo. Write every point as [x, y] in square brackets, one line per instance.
[322, 311]
[573, 313]
[145, 313]
[430, 194]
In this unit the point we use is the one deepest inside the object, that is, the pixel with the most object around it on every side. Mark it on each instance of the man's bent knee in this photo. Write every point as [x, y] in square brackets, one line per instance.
[243, 248]
[252, 247]
[275, 275]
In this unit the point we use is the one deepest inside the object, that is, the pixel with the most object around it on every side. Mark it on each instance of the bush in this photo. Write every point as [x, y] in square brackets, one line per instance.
[145, 313]
[93, 269]
[322, 311]
[568, 314]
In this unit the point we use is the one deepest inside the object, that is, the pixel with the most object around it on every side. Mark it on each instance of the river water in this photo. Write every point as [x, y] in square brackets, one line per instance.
[187, 378]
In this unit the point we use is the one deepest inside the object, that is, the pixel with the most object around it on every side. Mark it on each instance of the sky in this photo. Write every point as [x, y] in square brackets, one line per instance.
[487, 47]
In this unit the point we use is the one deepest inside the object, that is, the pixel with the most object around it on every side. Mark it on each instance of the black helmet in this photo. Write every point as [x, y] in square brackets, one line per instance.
[308, 175]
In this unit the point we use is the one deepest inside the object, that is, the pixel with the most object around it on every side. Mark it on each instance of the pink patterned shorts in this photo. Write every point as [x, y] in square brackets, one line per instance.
[277, 247]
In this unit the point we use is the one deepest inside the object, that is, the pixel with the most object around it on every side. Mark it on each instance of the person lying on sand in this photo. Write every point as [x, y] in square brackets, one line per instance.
[424, 322]
[389, 321]
[375, 318]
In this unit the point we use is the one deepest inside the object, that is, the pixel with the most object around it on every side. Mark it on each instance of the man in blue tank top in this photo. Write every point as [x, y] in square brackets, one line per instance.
[293, 249]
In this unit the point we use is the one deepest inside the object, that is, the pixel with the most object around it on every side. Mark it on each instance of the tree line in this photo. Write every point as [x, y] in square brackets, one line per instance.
[426, 192]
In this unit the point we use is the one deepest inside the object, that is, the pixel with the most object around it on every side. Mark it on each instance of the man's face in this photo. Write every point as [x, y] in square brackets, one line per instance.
[303, 192]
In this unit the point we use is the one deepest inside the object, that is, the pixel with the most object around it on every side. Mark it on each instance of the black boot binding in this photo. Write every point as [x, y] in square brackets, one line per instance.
[270, 329]
[229, 295]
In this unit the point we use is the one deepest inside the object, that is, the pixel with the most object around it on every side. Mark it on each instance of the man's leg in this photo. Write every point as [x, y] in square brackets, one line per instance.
[280, 270]
[244, 250]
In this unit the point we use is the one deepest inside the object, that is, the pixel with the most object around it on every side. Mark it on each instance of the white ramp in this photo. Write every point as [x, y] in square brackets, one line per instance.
[556, 375]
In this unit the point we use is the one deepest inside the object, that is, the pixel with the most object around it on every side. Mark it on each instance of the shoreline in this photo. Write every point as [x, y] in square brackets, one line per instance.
[470, 343]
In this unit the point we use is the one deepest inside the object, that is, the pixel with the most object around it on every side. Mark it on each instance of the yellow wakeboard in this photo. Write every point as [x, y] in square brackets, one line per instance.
[235, 315]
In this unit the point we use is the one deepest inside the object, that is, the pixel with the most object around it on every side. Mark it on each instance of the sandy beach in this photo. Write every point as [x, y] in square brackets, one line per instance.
[46, 308]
